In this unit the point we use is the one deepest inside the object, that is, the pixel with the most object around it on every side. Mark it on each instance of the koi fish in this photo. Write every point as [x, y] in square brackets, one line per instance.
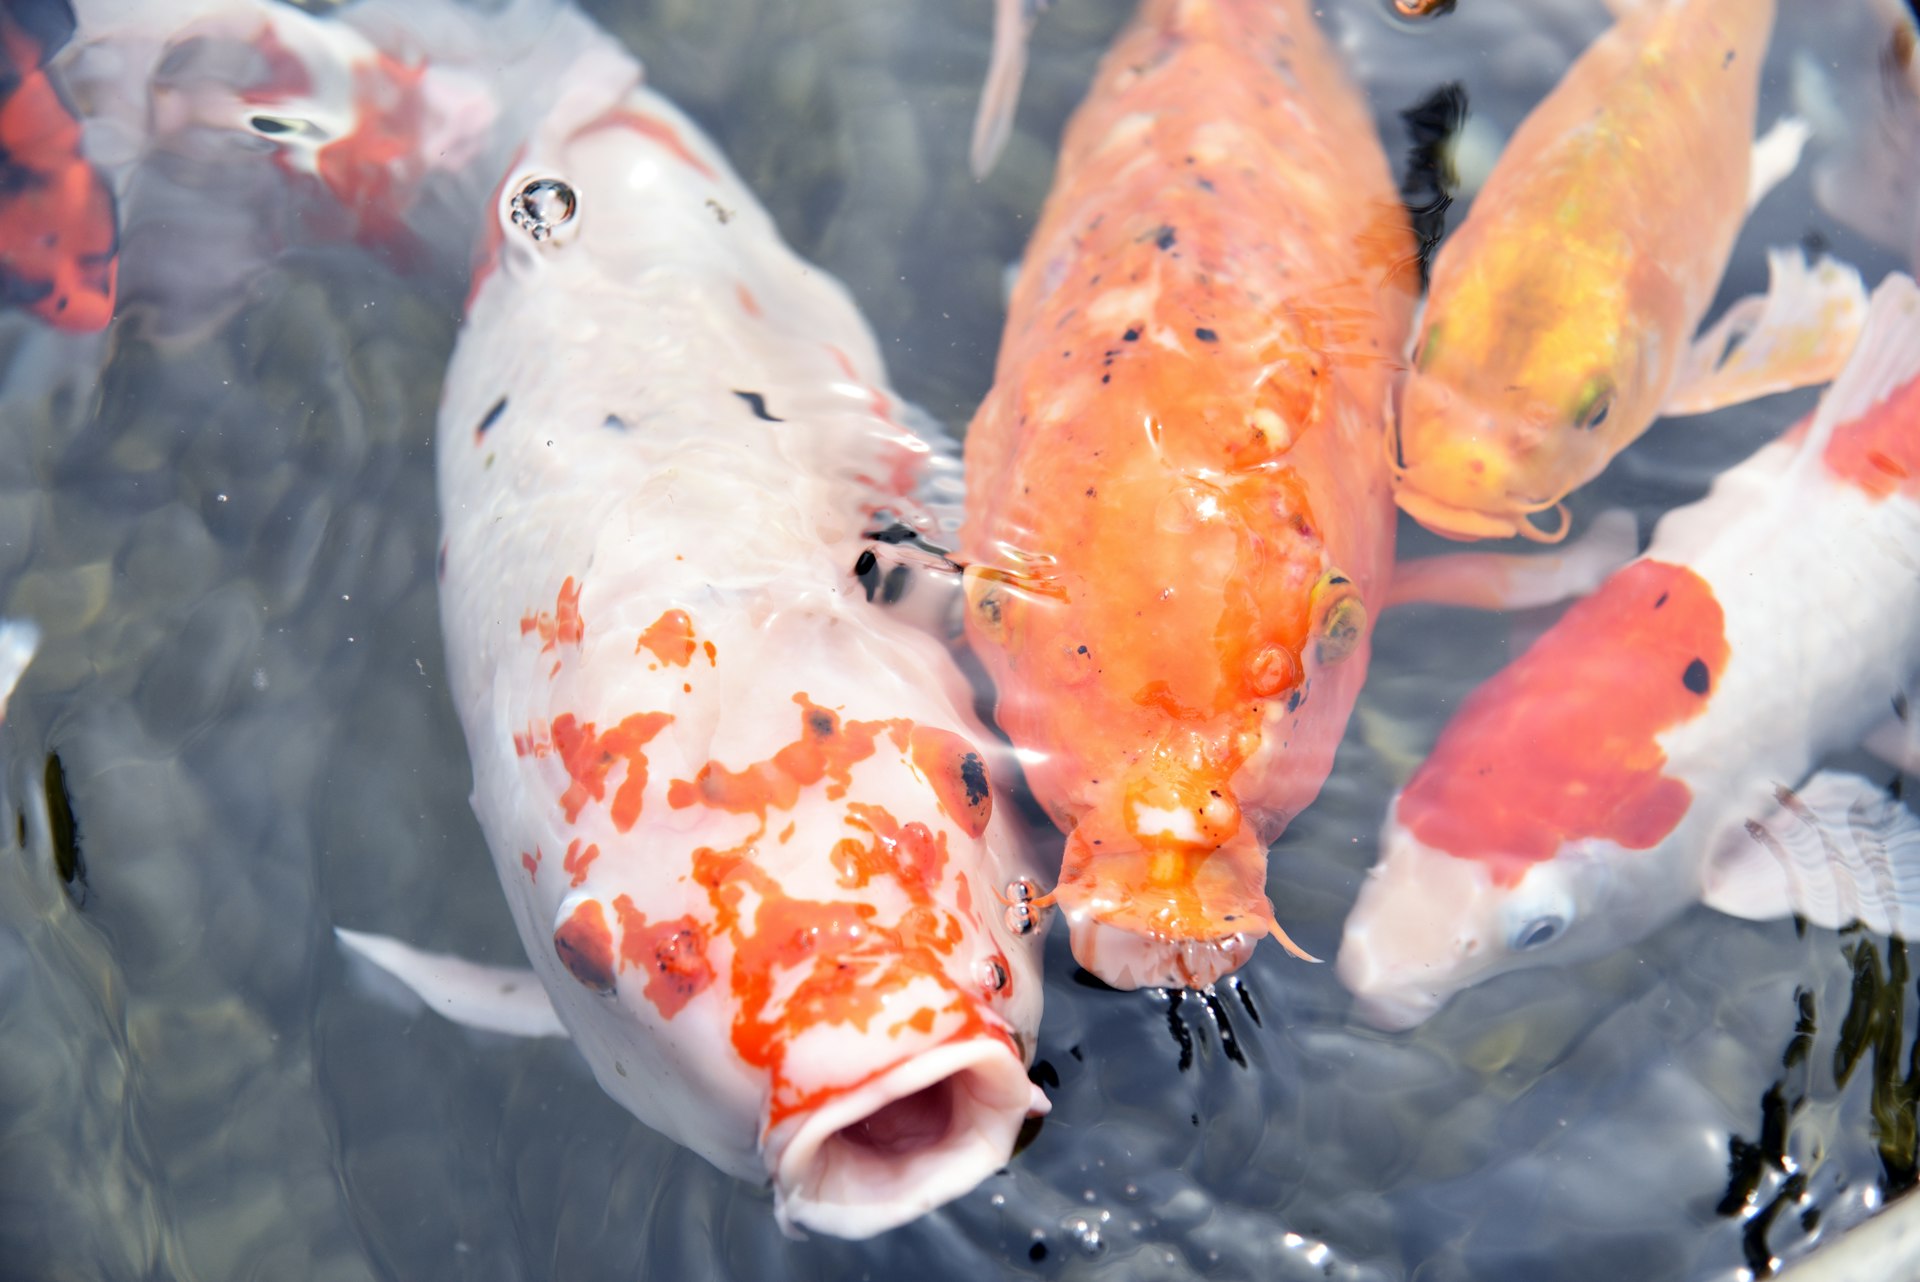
[744, 817]
[1557, 326]
[1663, 742]
[1176, 521]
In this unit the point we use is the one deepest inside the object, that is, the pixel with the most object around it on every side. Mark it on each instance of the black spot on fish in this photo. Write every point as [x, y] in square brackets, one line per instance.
[820, 724]
[758, 404]
[63, 831]
[973, 777]
[898, 532]
[1132, 335]
[491, 417]
[1430, 181]
[1660, 601]
[614, 422]
[898, 580]
[1206, 184]
[866, 568]
[1081, 650]
[1726, 60]
[1206, 335]
[1165, 239]
[1294, 700]
[1695, 678]
[268, 125]
[1037, 1252]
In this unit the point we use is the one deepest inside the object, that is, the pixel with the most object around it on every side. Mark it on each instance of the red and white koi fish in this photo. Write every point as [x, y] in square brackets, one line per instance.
[1662, 744]
[743, 816]
[1177, 519]
[1561, 312]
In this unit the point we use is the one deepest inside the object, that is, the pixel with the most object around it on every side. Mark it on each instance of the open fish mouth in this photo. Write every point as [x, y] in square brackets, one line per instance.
[904, 1141]
[1454, 522]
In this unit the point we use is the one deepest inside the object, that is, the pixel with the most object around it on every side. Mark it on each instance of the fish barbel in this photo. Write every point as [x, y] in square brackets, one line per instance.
[1178, 517]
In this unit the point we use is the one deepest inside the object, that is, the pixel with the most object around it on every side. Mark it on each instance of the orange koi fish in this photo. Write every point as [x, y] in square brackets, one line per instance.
[1557, 326]
[1178, 521]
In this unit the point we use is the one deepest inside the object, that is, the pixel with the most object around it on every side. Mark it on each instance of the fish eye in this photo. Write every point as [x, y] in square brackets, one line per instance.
[1538, 932]
[1596, 401]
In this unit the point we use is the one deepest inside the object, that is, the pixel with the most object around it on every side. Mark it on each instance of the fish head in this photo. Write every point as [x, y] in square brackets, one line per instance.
[1429, 924]
[1509, 406]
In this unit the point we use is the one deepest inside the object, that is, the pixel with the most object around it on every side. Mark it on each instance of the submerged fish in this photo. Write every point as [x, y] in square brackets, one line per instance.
[1178, 516]
[743, 815]
[1562, 308]
[1662, 743]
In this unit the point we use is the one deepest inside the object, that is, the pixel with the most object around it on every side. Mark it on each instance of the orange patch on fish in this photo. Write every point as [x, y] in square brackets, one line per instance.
[584, 945]
[580, 856]
[958, 774]
[827, 748]
[531, 862]
[58, 224]
[589, 756]
[672, 953]
[670, 637]
[374, 170]
[563, 626]
[1562, 744]
[801, 964]
[1879, 452]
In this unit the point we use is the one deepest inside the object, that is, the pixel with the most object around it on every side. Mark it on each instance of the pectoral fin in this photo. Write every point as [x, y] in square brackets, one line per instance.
[1776, 154]
[1798, 334]
[1517, 580]
[1836, 850]
[1006, 68]
[499, 999]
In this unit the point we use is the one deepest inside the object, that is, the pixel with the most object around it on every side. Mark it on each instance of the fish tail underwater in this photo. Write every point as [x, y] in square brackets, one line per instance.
[525, 753]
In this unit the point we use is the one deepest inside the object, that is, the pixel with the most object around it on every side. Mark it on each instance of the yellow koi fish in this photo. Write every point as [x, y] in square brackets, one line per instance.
[1558, 322]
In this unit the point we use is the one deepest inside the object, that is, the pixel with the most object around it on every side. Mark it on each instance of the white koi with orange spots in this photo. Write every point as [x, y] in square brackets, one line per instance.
[742, 814]
[1662, 744]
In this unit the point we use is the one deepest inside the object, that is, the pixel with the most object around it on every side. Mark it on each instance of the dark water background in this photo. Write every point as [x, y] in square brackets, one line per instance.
[237, 735]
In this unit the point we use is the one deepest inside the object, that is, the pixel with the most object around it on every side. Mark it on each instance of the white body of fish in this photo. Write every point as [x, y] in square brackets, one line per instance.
[662, 438]
[1818, 582]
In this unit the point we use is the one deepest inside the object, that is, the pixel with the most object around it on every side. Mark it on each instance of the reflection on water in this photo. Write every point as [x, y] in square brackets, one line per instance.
[236, 735]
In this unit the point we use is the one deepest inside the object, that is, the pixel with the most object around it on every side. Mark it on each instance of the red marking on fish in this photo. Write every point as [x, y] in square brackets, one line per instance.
[1562, 745]
[801, 964]
[826, 749]
[958, 775]
[286, 75]
[672, 953]
[534, 743]
[375, 170]
[589, 757]
[1879, 452]
[579, 857]
[654, 129]
[670, 637]
[58, 224]
[562, 627]
[584, 945]
[531, 862]
[713, 655]
[748, 303]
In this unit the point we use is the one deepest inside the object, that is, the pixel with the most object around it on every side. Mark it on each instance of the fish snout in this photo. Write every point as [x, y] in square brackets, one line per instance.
[1455, 469]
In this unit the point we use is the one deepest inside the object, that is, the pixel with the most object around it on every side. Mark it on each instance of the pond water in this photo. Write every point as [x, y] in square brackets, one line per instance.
[237, 735]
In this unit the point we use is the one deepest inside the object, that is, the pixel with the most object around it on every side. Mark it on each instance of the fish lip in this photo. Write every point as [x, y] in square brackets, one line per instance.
[830, 1185]
[1466, 524]
[1125, 958]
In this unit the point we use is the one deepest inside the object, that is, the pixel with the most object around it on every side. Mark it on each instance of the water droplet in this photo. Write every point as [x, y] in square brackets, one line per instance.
[542, 205]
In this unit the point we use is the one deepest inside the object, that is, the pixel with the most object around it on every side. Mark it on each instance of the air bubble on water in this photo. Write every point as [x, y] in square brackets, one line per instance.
[1088, 1237]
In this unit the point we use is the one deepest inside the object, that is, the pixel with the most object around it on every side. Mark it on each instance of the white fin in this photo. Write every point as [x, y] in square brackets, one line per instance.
[1886, 358]
[1000, 95]
[1776, 154]
[19, 638]
[499, 999]
[1836, 850]
[1517, 580]
[1799, 333]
